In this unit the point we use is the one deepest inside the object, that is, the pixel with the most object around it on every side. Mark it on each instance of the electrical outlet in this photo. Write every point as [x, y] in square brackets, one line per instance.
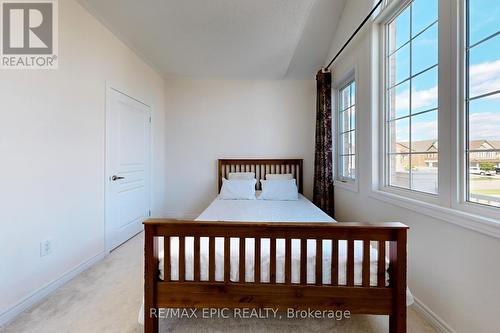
[45, 248]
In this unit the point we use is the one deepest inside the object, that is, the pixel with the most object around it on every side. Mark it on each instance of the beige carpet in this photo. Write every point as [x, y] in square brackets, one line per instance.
[107, 298]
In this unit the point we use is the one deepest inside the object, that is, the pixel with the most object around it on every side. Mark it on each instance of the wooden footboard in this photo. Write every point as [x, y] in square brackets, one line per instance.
[364, 299]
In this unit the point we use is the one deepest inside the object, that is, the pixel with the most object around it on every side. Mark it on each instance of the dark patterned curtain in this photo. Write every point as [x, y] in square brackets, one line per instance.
[323, 168]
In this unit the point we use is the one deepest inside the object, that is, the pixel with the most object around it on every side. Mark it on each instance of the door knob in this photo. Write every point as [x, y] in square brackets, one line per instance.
[115, 178]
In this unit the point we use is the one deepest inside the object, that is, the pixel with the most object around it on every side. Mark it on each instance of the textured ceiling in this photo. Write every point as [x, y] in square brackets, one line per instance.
[237, 39]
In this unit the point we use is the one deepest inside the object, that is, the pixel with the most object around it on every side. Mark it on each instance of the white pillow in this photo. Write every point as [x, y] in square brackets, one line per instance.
[278, 176]
[241, 175]
[283, 189]
[238, 189]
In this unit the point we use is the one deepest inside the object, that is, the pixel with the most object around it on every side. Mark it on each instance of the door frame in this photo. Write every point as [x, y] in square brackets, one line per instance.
[112, 87]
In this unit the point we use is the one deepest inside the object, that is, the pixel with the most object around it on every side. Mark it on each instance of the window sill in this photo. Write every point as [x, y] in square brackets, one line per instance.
[350, 186]
[483, 225]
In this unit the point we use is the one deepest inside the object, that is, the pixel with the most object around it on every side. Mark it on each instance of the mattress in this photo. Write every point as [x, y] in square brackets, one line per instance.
[301, 210]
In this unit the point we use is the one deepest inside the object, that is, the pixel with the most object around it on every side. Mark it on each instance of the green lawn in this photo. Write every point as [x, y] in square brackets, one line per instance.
[481, 178]
[487, 192]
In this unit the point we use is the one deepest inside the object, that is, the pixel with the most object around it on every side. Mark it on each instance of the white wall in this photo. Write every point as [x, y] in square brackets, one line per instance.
[452, 270]
[211, 119]
[52, 153]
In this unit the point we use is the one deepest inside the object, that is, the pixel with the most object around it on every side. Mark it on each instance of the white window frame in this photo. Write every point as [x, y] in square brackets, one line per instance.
[450, 203]
[385, 17]
[460, 201]
[351, 184]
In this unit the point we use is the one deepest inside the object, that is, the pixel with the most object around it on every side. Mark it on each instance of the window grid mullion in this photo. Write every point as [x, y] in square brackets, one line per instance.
[389, 123]
[468, 99]
[467, 92]
[414, 114]
[414, 153]
[413, 76]
[410, 173]
[412, 38]
[347, 108]
[483, 40]
[349, 131]
[483, 151]
[343, 143]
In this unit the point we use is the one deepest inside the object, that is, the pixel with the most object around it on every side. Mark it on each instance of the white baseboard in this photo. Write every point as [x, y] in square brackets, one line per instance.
[433, 319]
[39, 294]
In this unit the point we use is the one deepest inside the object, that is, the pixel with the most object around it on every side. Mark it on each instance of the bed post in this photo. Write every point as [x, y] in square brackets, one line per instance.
[301, 180]
[397, 280]
[150, 274]
[219, 175]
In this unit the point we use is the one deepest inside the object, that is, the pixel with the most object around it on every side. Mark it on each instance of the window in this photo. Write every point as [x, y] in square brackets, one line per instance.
[347, 133]
[482, 102]
[418, 43]
[411, 119]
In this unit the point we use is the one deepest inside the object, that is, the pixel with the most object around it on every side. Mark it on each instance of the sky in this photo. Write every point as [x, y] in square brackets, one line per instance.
[484, 74]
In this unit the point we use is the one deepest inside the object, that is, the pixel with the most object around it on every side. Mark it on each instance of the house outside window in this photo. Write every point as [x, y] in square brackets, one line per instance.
[412, 98]
[482, 102]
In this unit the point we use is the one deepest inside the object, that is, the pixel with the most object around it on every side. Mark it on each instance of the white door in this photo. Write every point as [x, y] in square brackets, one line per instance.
[127, 167]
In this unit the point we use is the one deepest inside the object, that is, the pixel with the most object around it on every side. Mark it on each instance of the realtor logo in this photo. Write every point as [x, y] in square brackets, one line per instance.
[29, 34]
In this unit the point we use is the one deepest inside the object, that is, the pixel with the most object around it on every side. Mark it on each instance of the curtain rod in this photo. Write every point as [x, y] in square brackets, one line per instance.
[354, 34]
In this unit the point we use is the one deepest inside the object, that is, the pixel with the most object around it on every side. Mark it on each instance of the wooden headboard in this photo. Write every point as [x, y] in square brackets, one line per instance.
[261, 167]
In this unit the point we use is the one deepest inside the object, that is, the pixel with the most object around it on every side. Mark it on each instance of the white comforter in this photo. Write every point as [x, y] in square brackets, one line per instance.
[301, 210]
[265, 262]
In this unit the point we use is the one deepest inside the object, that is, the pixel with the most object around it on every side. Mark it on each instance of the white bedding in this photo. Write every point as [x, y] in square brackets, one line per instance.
[301, 210]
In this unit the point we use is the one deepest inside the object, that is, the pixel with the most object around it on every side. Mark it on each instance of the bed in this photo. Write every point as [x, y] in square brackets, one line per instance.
[286, 254]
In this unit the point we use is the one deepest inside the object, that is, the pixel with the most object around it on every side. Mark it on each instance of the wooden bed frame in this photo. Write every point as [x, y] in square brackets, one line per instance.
[365, 299]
